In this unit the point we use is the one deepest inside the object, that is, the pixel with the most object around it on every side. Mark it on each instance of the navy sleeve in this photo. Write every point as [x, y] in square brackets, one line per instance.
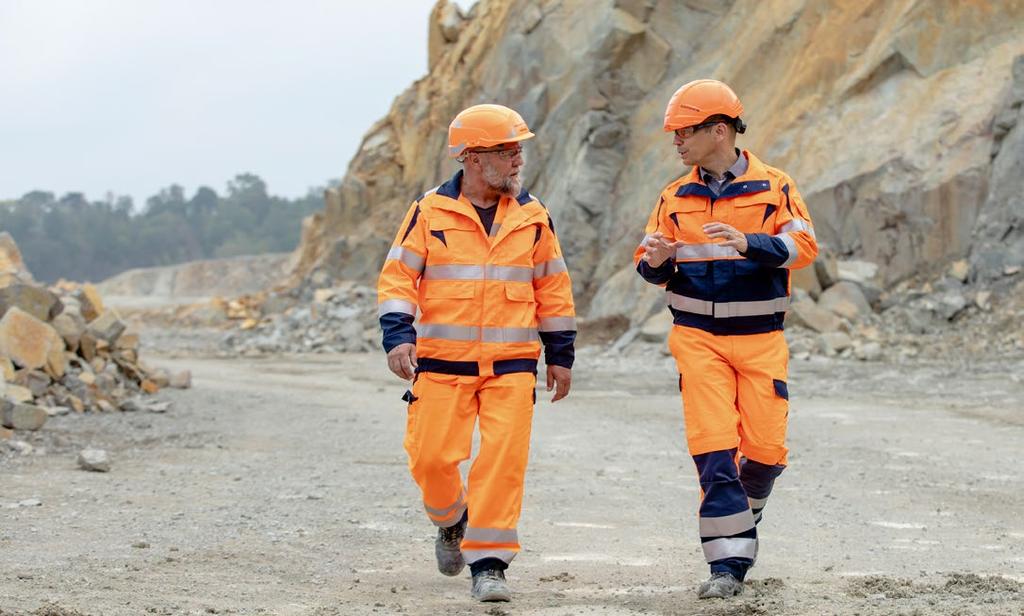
[656, 275]
[766, 249]
[559, 348]
[398, 329]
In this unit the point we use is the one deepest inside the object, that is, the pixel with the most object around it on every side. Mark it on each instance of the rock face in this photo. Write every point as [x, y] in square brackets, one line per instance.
[900, 121]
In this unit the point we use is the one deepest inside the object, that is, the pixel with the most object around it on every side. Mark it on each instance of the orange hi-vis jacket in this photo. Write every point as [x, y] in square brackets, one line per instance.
[486, 302]
[714, 287]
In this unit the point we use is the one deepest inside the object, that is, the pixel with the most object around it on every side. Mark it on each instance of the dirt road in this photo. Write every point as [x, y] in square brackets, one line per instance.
[279, 487]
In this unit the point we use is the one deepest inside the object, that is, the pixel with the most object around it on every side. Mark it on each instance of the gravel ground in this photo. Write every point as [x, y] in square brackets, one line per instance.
[278, 486]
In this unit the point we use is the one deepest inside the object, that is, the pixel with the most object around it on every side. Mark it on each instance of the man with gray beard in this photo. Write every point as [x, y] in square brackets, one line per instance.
[478, 259]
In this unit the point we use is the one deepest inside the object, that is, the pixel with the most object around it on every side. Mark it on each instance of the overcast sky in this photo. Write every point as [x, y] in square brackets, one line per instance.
[130, 96]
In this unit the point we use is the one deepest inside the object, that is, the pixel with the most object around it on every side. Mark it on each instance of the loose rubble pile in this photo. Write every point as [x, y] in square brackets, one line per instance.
[309, 319]
[839, 309]
[62, 351]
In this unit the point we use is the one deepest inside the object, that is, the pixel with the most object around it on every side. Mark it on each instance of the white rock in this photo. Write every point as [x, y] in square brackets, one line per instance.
[94, 460]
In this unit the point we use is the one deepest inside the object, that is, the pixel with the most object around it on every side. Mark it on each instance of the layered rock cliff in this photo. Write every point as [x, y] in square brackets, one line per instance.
[901, 122]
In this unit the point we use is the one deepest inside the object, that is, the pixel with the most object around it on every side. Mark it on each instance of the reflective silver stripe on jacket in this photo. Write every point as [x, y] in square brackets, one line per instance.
[396, 305]
[732, 547]
[410, 258]
[492, 535]
[547, 268]
[468, 333]
[725, 310]
[798, 225]
[505, 556]
[495, 227]
[726, 525]
[790, 243]
[557, 324]
[705, 251]
[510, 273]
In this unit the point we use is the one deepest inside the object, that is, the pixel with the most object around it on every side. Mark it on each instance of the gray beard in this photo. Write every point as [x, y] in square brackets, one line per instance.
[505, 186]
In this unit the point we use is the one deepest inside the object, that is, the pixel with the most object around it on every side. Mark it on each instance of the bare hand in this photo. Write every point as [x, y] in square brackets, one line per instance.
[657, 250]
[560, 378]
[732, 237]
[402, 360]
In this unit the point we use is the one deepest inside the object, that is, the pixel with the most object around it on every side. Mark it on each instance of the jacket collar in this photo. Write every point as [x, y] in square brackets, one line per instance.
[755, 180]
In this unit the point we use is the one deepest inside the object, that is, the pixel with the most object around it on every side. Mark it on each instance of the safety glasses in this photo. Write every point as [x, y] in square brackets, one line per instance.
[686, 133]
[503, 153]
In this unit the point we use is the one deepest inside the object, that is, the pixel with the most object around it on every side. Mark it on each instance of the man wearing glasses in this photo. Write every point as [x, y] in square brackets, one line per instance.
[478, 258]
[722, 240]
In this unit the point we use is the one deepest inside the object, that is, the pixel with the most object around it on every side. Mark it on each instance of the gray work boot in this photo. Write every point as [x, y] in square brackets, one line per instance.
[448, 548]
[490, 585]
[720, 586]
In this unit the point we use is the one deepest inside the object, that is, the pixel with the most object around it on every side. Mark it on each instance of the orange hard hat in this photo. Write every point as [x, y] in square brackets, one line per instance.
[485, 126]
[698, 100]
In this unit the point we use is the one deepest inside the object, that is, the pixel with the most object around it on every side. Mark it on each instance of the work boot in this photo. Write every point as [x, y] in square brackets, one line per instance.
[490, 585]
[448, 548]
[720, 586]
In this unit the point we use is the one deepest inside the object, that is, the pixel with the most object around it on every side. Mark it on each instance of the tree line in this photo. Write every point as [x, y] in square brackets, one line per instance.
[77, 239]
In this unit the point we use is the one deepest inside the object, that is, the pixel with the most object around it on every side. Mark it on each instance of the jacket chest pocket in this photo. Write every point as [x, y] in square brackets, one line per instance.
[752, 216]
[453, 233]
[517, 246]
[689, 217]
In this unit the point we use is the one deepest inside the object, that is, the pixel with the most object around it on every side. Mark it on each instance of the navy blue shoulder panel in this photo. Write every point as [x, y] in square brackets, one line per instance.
[453, 187]
[524, 197]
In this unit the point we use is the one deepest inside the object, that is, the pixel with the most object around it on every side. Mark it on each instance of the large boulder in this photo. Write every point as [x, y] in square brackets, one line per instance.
[29, 342]
[33, 299]
[847, 300]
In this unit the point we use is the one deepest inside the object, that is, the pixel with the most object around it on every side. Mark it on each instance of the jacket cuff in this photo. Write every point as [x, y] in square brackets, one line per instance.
[559, 348]
[766, 249]
[656, 275]
[398, 329]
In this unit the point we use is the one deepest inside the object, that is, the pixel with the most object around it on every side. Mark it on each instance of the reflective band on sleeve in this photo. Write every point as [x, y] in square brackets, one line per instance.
[790, 243]
[505, 556]
[410, 258]
[796, 225]
[705, 251]
[733, 547]
[547, 268]
[557, 324]
[492, 535]
[396, 305]
[726, 525]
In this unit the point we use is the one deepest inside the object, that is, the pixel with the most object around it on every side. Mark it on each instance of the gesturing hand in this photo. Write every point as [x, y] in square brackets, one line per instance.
[657, 250]
[732, 237]
[402, 360]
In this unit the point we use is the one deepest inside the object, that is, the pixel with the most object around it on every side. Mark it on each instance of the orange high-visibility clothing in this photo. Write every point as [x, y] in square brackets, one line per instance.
[713, 287]
[728, 309]
[486, 304]
[442, 412]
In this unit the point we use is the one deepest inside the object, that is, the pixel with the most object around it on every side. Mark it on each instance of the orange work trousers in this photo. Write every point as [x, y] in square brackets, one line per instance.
[443, 411]
[735, 406]
[734, 391]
